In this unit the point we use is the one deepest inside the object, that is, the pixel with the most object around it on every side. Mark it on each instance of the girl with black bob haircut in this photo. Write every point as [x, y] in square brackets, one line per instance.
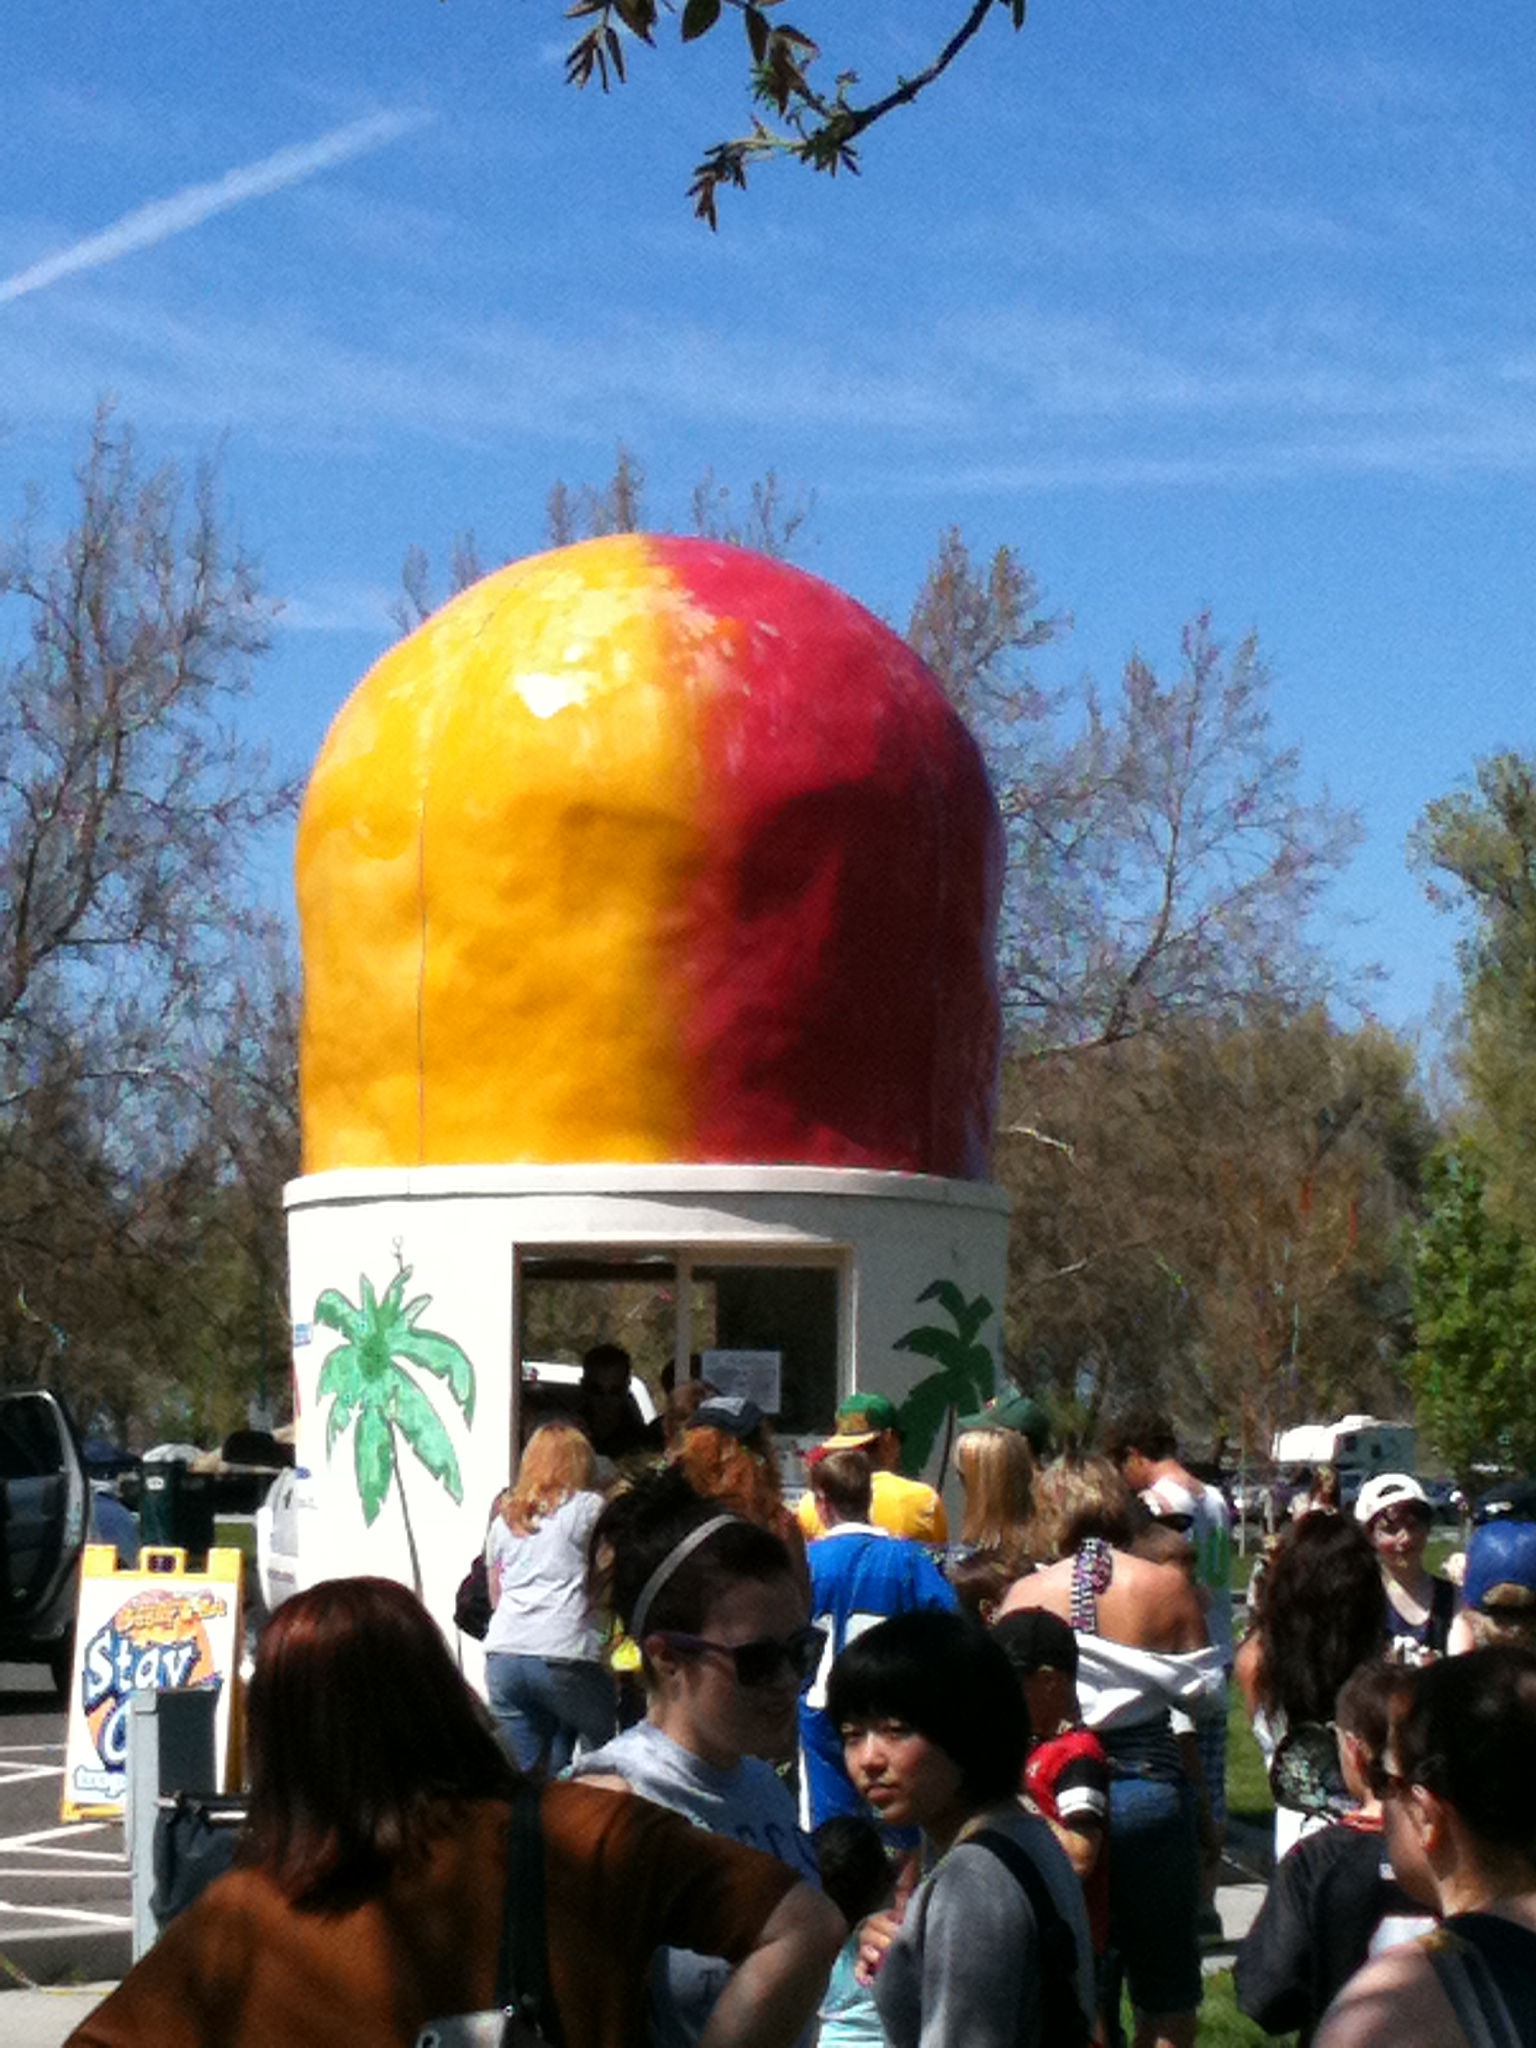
[935, 1731]
[952, 1685]
[719, 1615]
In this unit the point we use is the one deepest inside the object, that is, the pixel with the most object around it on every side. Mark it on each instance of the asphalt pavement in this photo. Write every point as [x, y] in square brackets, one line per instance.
[65, 1896]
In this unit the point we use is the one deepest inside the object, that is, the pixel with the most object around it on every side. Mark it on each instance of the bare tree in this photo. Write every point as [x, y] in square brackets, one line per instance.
[772, 521]
[1164, 862]
[130, 810]
[1216, 1214]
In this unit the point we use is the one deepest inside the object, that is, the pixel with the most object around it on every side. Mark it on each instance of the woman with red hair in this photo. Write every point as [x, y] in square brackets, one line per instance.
[727, 1454]
[370, 1895]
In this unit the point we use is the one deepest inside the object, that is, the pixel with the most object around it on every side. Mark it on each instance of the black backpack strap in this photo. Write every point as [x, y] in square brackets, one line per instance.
[1063, 2023]
[1472, 1989]
[522, 1972]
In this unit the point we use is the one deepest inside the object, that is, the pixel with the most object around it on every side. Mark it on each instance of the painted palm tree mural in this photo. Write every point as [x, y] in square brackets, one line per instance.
[965, 1381]
[373, 1392]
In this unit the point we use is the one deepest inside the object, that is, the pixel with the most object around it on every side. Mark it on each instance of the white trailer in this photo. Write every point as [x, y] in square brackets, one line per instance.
[1355, 1443]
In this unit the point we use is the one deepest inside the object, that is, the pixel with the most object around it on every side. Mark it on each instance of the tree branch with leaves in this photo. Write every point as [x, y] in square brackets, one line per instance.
[802, 122]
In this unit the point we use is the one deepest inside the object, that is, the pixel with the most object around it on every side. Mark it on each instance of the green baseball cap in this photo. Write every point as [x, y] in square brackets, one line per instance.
[865, 1414]
[1018, 1411]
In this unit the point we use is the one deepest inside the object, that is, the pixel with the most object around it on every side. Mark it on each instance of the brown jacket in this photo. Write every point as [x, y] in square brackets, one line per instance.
[245, 1968]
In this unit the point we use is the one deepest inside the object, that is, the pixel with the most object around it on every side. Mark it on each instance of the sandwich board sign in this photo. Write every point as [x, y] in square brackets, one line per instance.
[145, 1629]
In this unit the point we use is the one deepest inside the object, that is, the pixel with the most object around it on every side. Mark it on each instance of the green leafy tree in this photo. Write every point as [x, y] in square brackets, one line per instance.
[1478, 850]
[373, 1394]
[965, 1379]
[1473, 1372]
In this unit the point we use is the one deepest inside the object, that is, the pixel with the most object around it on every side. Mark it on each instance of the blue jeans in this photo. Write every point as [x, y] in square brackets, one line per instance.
[543, 1704]
[1154, 1891]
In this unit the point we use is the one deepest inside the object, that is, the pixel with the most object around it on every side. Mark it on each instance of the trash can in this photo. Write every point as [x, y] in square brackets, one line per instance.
[176, 1507]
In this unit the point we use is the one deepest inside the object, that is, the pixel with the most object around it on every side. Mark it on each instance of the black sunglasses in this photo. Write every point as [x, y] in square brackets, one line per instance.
[760, 1661]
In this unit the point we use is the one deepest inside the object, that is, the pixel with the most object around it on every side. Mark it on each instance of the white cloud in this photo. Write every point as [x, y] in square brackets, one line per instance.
[339, 606]
[157, 222]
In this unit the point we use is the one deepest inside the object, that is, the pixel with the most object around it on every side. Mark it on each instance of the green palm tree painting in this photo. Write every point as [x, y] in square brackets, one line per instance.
[965, 1379]
[372, 1391]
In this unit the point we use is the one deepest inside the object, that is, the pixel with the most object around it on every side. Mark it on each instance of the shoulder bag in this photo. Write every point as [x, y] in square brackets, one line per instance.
[524, 2013]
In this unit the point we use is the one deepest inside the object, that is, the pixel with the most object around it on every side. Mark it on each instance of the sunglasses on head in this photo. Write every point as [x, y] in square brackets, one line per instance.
[760, 1661]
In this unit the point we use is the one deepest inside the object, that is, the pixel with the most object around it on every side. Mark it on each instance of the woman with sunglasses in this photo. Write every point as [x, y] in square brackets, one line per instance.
[1458, 1793]
[720, 1619]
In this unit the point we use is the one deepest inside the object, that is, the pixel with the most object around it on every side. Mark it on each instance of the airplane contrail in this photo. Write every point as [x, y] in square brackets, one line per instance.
[162, 218]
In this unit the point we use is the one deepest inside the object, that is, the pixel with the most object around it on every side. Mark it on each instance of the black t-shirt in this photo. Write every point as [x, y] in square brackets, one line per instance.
[1327, 1900]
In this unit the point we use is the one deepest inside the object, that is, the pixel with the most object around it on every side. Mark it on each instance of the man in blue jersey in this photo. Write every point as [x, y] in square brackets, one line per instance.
[860, 1575]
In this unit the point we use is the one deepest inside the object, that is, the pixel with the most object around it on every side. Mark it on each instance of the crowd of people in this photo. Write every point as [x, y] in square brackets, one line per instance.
[755, 1776]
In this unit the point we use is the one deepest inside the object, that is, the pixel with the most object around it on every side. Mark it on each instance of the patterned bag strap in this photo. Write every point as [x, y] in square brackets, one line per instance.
[1092, 1569]
[1472, 1989]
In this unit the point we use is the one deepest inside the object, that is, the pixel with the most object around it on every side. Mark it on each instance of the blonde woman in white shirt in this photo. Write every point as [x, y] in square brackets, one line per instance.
[548, 1686]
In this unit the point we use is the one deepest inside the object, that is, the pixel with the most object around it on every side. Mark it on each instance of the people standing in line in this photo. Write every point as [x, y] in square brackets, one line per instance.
[1334, 1900]
[1458, 1790]
[370, 1894]
[860, 1574]
[997, 1473]
[907, 1507]
[993, 1948]
[1394, 1511]
[719, 1616]
[1143, 1445]
[1319, 1619]
[1142, 1655]
[544, 1673]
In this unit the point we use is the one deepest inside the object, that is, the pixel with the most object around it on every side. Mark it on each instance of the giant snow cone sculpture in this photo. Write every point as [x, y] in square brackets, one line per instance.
[648, 896]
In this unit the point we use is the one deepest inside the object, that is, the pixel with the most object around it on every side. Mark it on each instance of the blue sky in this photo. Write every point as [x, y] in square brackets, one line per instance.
[1221, 306]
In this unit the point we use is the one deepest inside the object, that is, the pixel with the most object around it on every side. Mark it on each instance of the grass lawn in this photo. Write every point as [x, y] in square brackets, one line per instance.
[1222, 2025]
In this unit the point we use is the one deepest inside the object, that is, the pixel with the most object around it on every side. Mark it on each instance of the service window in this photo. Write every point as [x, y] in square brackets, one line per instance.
[669, 1307]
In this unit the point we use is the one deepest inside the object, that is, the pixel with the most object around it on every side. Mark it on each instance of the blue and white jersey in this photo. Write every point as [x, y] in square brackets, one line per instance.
[860, 1575]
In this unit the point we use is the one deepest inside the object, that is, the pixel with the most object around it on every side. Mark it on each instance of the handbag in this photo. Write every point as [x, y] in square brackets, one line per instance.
[472, 1602]
[524, 2013]
[195, 1840]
